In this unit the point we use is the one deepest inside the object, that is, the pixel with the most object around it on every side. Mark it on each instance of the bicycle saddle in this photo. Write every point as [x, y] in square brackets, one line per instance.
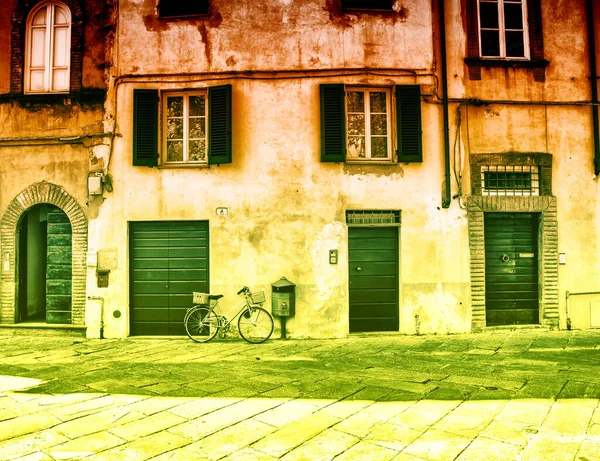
[215, 297]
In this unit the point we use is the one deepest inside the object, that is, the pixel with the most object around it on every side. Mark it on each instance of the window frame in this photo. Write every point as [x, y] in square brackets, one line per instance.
[536, 61]
[148, 132]
[530, 172]
[49, 51]
[367, 90]
[405, 123]
[164, 120]
[502, 30]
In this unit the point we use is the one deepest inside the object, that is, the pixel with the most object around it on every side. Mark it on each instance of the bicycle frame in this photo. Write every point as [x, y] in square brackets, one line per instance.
[203, 322]
[244, 306]
[224, 323]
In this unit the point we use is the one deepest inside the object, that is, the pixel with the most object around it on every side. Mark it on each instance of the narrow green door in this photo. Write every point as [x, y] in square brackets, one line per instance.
[373, 273]
[511, 268]
[169, 260]
[59, 270]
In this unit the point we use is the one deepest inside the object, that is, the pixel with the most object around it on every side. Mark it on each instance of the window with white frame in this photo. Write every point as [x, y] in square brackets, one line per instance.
[48, 57]
[185, 131]
[503, 29]
[368, 124]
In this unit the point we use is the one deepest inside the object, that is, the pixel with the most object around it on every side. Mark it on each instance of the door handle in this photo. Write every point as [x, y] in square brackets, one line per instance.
[358, 269]
[504, 258]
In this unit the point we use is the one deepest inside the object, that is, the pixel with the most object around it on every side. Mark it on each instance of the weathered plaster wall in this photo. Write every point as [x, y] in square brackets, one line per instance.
[287, 209]
[273, 35]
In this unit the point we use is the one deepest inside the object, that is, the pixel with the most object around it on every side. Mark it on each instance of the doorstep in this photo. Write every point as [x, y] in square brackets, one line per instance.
[42, 329]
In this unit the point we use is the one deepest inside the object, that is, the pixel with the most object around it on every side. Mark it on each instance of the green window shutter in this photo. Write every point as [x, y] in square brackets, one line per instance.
[145, 127]
[408, 118]
[219, 124]
[333, 123]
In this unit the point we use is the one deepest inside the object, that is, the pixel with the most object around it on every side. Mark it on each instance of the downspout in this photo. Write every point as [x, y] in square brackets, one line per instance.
[446, 192]
[594, 83]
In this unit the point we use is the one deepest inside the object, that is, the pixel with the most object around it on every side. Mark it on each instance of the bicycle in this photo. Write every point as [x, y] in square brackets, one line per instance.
[202, 323]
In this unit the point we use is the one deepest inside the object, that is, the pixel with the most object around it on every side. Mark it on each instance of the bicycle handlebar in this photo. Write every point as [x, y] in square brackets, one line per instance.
[242, 290]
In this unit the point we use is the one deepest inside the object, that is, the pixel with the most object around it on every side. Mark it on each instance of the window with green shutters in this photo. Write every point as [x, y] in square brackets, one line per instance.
[357, 124]
[194, 127]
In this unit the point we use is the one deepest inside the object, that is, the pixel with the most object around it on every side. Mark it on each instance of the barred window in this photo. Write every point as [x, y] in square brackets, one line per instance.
[511, 180]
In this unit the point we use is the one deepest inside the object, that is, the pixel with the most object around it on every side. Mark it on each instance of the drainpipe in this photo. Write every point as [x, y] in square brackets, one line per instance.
[446, 198]
[594, 83]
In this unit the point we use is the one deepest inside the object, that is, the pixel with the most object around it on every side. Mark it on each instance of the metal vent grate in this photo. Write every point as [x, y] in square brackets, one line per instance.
[373, 217]
[510, 180]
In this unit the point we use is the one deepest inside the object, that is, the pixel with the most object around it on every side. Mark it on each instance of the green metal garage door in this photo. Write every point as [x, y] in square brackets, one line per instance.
[373, 269]
[511, 268]
[168, 261]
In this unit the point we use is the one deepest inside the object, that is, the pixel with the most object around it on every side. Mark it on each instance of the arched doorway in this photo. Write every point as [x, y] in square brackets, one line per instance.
[44, 270]
[22, 207]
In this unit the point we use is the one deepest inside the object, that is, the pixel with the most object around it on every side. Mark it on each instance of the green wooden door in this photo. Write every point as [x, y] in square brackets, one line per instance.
[58, 267]
[373, 270]
[511, 268]
[169, 260]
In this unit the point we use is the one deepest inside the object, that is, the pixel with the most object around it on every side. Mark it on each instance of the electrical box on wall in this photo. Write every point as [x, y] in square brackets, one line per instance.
[95, 185]
[333, 256]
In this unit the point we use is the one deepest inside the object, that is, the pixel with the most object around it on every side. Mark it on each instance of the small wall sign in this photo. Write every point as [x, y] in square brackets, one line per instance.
[222, 211]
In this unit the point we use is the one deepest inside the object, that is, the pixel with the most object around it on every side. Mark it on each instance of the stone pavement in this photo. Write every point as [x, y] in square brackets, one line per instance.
[507, 395]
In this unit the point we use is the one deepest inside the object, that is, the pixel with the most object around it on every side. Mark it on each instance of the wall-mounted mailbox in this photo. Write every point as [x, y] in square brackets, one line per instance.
[283, 298]
[102, 278]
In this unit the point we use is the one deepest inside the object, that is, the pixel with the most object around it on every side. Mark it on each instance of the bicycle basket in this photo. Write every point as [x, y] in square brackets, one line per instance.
[258, 297]
[200, 298]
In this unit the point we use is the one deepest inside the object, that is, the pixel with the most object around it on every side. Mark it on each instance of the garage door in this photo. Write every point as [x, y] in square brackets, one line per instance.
[511, 268]
[373, 269]
[168, 261]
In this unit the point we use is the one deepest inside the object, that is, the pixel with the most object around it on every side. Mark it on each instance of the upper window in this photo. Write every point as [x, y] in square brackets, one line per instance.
[48, 57]
[505, 33]
[194, 127]
[176, 8]
[357, 124]
[503, 29]
[383, 5]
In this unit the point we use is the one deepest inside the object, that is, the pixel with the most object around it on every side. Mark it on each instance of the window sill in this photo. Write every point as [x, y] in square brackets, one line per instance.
[370, 162]
[178, 166]
[538, 66]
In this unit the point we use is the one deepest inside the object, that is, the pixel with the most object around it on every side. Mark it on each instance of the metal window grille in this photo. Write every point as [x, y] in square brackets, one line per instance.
[512, 180]
[373, 217]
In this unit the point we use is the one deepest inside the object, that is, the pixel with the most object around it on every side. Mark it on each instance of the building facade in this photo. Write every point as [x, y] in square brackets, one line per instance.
[412, 166]
[53, 58]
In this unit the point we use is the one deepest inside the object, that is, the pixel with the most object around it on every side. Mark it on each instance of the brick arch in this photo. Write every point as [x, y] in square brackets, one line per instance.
[17, 44]
[43, 192]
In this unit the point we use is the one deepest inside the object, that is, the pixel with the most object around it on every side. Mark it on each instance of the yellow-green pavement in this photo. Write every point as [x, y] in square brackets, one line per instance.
[503, 395]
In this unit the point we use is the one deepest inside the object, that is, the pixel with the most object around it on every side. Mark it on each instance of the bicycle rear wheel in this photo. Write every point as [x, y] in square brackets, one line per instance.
[255, 325]
[201, 324]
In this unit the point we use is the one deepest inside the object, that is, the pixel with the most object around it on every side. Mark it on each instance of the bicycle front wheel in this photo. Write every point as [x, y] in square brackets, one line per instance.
[255, 325]
[201, 324]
